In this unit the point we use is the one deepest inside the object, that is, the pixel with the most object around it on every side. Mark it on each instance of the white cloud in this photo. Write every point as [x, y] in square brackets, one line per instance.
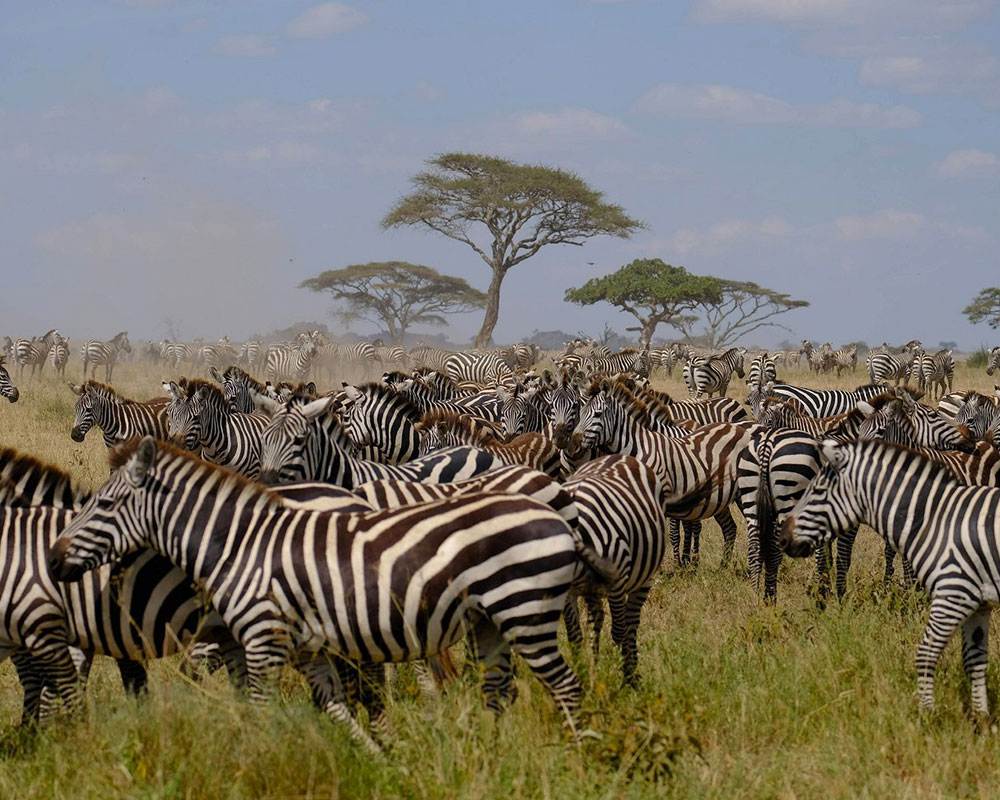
[290, 152]
[569, 122]
[745, 107]
[889, 223]
[928, 14]
[968, 163]
[251, 46]
[427, 92]
[929, 65]
[730, 232]
[324, 20]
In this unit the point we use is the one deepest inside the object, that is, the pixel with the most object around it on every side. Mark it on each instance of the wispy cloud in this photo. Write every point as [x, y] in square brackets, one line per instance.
[728, 233]
[325, 20]
[569, 122]
[889, 223]
[968, 163]
[745, 107]
[249, 46]
[930, 14]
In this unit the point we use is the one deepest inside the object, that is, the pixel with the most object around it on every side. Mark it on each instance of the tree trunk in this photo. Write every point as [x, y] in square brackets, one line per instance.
[492, 310]
[647, 331]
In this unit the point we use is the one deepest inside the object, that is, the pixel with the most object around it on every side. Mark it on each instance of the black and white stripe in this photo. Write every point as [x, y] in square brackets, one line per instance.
[382, 423]
[7, 387]
[823, 402]
[95, 352]
[285, 362]
[476, 367]
[712, 374]
[117, 417]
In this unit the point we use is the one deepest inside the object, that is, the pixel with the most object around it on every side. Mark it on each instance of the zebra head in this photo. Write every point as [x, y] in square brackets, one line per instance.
[121, 342]
[84, 416]
[7, 387]
[979, 412]
[563, 400]
[906, 422]
[184, 414]
[829, 507]
[284, 442]
[597, 417]
[115, 521]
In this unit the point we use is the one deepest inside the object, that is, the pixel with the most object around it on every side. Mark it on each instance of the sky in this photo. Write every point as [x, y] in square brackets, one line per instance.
[184, 164]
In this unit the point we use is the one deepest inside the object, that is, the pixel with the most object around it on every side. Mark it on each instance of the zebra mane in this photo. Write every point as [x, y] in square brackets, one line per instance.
[193, 385]
[386, 395]
[120, 454]
[634, 407]
[934, 469]
[15, 466]
[235, 371]
[460, 423]
[109, 392]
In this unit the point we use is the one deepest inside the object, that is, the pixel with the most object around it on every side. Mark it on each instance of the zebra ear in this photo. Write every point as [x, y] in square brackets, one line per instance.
[865, 407]
[171, 389]
[141, 462]
[76, 389]
[311, 387]
[315, 408]
[834, 453]
[267, 404]
[215, 374]
[996, 389]
[351, 391]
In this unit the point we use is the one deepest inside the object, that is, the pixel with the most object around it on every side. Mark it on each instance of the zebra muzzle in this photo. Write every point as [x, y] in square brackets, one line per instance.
[796, 548]
[14, 394]
[76, 435]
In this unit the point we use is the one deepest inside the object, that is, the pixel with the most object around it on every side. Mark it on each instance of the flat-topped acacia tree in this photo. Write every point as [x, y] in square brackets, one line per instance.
[506, 212]
[396, 294]
[985, 307]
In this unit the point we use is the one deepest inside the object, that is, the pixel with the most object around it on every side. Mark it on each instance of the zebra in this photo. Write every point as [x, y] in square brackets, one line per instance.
[993, 363]
[821, 402]
[787, 357]
[905, 421]
[239, 387]
[34, 352]
[217, 355]
[702, 412]
[285, 363]
[815, 359]
[619, 503]
[504, 563]
[477, 367]
[937, 371]
[437, 392]
[442, 429]
[630, 361]
[382, 422]
[59, 356]
[174, 353]
[249, 354]
[305, 441]
[763, 370]
[712, 374]
[947, 531]
[201, 418]
[979, 413]
[844, 358]
[522, 409]
[95, 352]
[7, 387]
[698, 469]
[563, 396]
[424, 357]
[883, 367]
[118, 418]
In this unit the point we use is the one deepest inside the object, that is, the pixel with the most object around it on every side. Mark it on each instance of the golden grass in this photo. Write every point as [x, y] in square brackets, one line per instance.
[737, 699]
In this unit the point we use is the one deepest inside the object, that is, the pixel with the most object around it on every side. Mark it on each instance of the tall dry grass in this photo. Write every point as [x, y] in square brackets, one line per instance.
[737, 698]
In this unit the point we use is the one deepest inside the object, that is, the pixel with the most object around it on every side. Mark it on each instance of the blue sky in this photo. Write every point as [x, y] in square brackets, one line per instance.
[194, 161]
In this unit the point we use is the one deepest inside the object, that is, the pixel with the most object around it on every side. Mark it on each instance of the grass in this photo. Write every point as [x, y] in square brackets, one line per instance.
[737, 698]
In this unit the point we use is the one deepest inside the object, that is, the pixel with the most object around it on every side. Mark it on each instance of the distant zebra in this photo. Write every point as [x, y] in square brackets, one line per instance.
[34, 352]
[202, 419]
[911, 502]
[424, 357]
[250, 354]
[845, 358]
[117, 417]
[936, 372]
[288, 364]
[619, 503]
[217, 355]
[883, 366]
[712, 374]
[174, 353]
[763, 370]
[501, 563]
[305, 441]
[702, 412]
[59, 356]
[94, 353]
[823, 402]
[635, 362]
[477, 367]
[7, 387]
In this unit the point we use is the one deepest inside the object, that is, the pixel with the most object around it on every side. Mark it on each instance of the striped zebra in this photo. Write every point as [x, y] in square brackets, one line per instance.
[222, 354]
[239, 387]
[522, 409]
[947, 531]
[619, 503]
[712, 374]
[7, 387]
[936, 372]
[821, 402]
[627, 361]
[382, 423]
[816, 360]
[902, 420]
[173, 354]
[286, 363]
[442, 429]
[202, 419]
[59, 356]
[503, 564]
[698, 470]
[787, 357]
[34, 352]
[979, 413]
[763, 370]
[304, 441]
[993, 363]
[437, 392]
[250, 355]
[702, 412]
[477, 367]
[844, 358]
[423, 356]
[883, 367]
[563, 395]
[117, 417]
[94, 352]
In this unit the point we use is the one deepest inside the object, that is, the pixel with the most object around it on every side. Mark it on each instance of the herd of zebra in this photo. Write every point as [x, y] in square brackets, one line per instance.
[257, 522]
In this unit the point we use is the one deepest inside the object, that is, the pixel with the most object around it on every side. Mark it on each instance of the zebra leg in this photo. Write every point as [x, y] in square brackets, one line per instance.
[909, 577]
[134, 677]
[595, 610]
[571, 618]
[264, 662]
[890, 557]
[845, 547]
[59, 671]
[30, 677]
[328, 694]
[823, 559]
[493, 655]
[692, 542]
[675, 539]
[975, 656]
[544, 659]
[947, 613]
[625, 614]
[728, 526]
[771, 556]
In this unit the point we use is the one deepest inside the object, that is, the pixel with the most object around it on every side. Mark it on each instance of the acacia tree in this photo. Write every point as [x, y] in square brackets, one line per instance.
[985, 307]
[742, 308]
[506, 212]
[651, 291]
[396, 294]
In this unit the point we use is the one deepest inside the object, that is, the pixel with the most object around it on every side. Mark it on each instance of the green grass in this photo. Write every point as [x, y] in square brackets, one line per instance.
[737, 699]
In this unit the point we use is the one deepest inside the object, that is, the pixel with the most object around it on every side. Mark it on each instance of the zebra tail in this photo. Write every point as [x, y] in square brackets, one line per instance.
[765, 502]
[604, 572]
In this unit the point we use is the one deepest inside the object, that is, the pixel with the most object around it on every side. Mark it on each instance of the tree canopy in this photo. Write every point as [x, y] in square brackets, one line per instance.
[506, 213]
[652, 291]
[655, 292]
[985, 307]
[396, 294]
